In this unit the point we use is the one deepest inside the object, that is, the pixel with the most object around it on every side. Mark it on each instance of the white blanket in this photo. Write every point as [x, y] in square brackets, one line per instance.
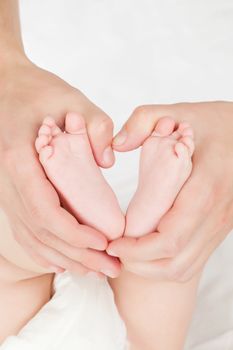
[81, 315]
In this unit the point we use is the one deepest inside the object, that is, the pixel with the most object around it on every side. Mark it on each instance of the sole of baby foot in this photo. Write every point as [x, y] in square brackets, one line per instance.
[165, 165]
[70, 166]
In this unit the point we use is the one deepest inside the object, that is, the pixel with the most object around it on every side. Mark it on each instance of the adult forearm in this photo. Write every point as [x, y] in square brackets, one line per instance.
[11, 45]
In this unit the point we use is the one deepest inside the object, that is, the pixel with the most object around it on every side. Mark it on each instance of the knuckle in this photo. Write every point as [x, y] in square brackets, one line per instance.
[105, 124]
[74, 240]
[140, 112]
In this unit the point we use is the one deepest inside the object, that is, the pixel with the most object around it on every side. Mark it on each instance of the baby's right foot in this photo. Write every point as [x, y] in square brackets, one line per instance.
[165, 165]
[69, 164]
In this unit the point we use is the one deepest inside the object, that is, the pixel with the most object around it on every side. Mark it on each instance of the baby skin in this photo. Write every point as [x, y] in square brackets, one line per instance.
[165, 165]
[69, 164]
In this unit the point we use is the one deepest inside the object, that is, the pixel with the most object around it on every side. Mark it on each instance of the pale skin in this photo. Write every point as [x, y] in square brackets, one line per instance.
[184, 260]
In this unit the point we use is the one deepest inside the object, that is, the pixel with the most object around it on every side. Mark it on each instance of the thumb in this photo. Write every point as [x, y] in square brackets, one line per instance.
[100, 131]
[99, 127]
[142, 122]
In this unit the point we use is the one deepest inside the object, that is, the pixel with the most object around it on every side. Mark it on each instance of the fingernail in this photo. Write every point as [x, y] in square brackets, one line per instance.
[120, 138]
[111, 252]
[109, 273]
[108, 156]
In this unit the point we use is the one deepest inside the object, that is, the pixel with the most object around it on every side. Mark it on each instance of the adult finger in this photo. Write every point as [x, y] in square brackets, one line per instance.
[178, 268]
[146, 248]
[91, 259]
[78, 235]
[99, 126]
[43, 208]
[174, 231]
[139, 126]
[100, 131]
[57, 261]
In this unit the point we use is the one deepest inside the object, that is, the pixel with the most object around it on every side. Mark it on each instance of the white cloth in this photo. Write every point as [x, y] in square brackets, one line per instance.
[81, 316]
[129, 52]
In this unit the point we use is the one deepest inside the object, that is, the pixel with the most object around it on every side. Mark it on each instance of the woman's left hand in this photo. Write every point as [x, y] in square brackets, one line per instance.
[202, 214]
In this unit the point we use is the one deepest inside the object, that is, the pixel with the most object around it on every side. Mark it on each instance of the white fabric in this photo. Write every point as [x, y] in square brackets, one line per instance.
[129, 52]
[81, 315]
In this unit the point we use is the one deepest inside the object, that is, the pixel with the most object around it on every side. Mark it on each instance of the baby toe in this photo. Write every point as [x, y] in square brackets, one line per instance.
[49, 121]
[182, 126]
[188, 132]
[41, 141]
[181, 149]
[56, 130]
[44, 130]
[175, 135]
[45, 153]
[188, 142]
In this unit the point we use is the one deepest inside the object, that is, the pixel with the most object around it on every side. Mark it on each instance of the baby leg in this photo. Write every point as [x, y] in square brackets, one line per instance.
[157, 314]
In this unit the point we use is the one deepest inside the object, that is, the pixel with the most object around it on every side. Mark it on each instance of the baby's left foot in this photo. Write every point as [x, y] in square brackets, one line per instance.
[165, 165]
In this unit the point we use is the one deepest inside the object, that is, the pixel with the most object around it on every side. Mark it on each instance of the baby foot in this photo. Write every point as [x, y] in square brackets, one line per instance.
[165, 165]
[68, 161]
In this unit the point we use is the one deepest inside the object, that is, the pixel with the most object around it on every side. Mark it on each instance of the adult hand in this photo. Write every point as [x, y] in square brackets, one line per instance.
[202, 214]
[51, 235]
